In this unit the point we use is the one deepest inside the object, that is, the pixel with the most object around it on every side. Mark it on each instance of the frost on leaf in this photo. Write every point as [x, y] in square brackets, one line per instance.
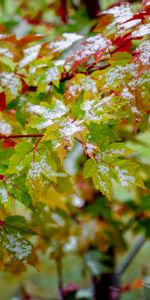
[92, 47]
[121, 13]
[101, 180]
[11, 83]
[101, 110]
[3, 195]
[69, 128]
[6, 52]
[42, 166]
[128, 25]
[5, 128]
[53, 75]
[78, 84]
[108, 164]
[125, 179]
[141, 31]
[66, 42]
[143, 53]
[48, 113]
[30, 54]
[116, 76]
[18, 247]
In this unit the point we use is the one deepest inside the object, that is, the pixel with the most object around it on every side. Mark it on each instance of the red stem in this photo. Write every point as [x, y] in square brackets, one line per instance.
[63, 11]
[18, 136]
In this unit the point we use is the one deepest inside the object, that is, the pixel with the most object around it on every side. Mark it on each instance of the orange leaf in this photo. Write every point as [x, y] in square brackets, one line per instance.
[138, 284]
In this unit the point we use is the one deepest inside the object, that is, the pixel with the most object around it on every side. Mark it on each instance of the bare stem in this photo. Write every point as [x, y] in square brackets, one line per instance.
[130, 256]
[60, 279]
[18, 136]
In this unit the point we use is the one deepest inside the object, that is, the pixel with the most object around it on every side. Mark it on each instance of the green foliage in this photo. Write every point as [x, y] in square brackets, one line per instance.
[60, 93]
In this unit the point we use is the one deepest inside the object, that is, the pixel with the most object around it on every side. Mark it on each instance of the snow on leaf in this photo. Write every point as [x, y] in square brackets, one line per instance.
[127, 94]
[125, 179]
[101, 180]
[114, 150]
[66, 42]
[74, 87]
[45, 166]
[116, 75]
[6, 52]
[78, 84]
[94, 46]
[128, 25]
[69, 128]
[3, 195]
[141, 31]
[90, 149]
[90, 85]
[108, 164]
[5, 128]
[121, 13]
[18, 247]
[30, 54]
[143, 53]
[52, 74]
[102, 109]
[49, 114]
[11, 82]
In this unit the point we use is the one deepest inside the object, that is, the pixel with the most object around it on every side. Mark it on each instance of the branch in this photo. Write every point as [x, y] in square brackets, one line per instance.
[18, 136]
[130, 256]
[93, 8]
[63, 11]
[60, 280]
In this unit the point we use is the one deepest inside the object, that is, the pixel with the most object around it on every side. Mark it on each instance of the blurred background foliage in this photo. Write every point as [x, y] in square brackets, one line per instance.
[45, 16]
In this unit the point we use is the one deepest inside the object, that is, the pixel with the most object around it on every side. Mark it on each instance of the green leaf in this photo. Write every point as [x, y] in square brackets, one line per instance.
[18, 223]
[21, 158]
[8, 62]
[108, 164]
[17, 246]
[101, 181]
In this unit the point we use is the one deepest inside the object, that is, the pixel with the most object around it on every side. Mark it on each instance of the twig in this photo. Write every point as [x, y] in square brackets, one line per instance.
[18, 136]
[130, 256]
[60, 279]
[93, 8]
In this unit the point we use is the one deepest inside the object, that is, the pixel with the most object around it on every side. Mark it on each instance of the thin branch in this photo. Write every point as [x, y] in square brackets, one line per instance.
[130, 256]
[18, 136]
[60, 279]
[93, 8]
[63, 11]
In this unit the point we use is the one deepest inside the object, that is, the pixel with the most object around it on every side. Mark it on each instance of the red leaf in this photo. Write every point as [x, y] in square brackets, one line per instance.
[123, 43]
[62, 11]
[24, 86]
[8, 143]
[2, 101]
[126, 288]
[2, 224]
[2, 177]
[71, 287]
[94, 46]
